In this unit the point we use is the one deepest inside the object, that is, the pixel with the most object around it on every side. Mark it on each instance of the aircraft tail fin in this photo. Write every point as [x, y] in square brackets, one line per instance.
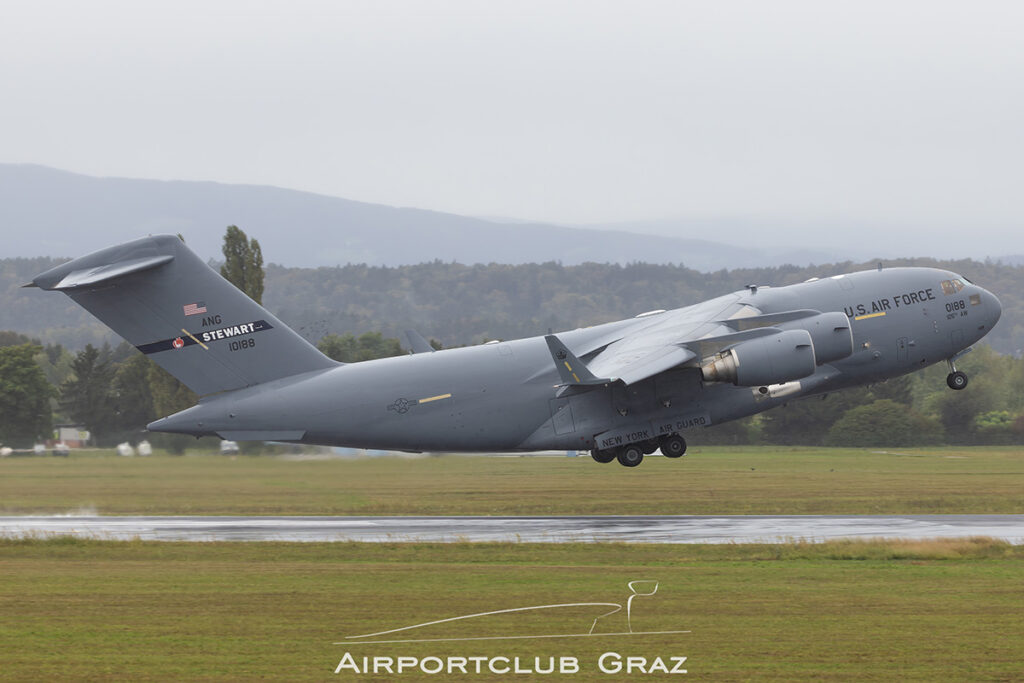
[158, 295]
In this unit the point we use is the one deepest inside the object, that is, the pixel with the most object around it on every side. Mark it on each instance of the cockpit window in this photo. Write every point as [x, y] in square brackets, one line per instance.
[952, 286]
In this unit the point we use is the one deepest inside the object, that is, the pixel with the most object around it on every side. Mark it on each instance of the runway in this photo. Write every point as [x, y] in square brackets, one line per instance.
[628, 529]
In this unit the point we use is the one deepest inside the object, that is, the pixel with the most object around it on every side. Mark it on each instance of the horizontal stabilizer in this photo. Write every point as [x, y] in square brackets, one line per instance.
[94, 276]
[571, 369]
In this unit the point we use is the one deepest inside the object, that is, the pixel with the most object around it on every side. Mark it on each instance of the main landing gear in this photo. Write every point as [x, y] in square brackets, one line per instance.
[955, 380]
[631, 455]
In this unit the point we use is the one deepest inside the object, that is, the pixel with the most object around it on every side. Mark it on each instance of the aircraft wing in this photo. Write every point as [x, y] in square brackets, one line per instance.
[652, 344]
[676, 337]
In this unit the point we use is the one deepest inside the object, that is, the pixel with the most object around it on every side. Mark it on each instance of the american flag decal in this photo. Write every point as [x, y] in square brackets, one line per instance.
[196, 308]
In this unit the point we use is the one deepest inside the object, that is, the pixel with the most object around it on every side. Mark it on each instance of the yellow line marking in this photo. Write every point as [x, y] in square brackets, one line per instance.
[434, 398]
[575, 377]
[567, 366]
[870, 315]
[194, 339]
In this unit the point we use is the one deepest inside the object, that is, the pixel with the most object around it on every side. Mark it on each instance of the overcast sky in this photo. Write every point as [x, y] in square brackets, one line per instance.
[901, 120]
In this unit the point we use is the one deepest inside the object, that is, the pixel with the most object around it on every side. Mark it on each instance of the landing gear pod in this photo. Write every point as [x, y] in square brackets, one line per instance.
[780, 358]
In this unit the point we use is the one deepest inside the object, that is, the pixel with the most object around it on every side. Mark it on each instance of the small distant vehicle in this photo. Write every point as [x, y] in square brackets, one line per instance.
[620, 390]
[228, 447]
[61, 450]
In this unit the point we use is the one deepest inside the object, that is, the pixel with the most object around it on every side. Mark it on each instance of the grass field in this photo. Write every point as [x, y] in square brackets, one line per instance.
[95, 610]
[707, 481]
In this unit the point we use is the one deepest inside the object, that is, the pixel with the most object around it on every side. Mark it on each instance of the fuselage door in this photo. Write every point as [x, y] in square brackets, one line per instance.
[901, 350]
[561, 416]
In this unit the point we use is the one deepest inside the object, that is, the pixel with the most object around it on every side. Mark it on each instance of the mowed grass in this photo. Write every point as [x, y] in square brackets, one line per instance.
[100, 610]
[707, 481]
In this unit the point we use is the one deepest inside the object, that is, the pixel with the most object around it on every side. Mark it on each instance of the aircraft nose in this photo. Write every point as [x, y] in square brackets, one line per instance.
[990, 308]
[990, 304]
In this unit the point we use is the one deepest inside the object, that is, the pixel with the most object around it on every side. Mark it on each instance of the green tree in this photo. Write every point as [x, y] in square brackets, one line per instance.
[995, 427]
[243, 263]
[807, 421]
[884, 423]
[86, 396]
[168, 394]
[25, 413]
[132, 399]
[350, 349]
[11, 338]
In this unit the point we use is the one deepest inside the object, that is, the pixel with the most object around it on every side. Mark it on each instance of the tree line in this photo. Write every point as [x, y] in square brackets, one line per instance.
[465, 304]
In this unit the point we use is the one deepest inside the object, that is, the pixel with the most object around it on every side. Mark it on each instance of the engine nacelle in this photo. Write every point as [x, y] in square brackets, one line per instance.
[777, 359]
[831, 333]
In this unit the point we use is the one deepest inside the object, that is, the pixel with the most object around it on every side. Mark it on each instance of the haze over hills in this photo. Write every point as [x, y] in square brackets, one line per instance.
[48, 212]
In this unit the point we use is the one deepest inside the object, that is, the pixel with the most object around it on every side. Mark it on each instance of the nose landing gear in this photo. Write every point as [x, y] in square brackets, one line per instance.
[955, 380]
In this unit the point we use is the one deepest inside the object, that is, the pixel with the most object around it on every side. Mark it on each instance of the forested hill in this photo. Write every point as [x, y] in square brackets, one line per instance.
[459, 304]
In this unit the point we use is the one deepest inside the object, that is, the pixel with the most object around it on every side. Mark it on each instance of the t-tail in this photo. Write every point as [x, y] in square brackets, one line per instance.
[158, 295]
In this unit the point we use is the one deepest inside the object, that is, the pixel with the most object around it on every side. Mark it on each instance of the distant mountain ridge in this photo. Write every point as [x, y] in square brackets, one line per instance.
[46, 212]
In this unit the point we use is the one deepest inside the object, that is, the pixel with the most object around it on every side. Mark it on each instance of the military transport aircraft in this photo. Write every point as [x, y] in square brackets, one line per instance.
[622, 389]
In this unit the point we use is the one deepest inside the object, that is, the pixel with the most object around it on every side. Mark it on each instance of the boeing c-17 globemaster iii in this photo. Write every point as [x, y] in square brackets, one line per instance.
[621, 390]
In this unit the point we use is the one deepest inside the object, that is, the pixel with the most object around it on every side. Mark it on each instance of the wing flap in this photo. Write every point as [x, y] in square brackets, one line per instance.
[649, 362]
[751, 322]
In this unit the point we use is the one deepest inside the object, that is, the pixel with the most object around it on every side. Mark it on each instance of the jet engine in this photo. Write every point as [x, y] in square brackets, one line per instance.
[830, 332]
[775, 359]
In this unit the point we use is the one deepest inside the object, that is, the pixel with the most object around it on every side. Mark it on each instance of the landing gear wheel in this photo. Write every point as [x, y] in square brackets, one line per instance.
[602, 456]
[956, 380]
[631, 456]
[673, 446]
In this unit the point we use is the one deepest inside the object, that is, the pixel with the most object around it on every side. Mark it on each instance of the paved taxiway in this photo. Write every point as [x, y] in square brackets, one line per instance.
[631, 529]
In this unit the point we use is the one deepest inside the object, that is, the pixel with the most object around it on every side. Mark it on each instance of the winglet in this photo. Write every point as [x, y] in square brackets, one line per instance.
[570, 368]
[417, 343]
